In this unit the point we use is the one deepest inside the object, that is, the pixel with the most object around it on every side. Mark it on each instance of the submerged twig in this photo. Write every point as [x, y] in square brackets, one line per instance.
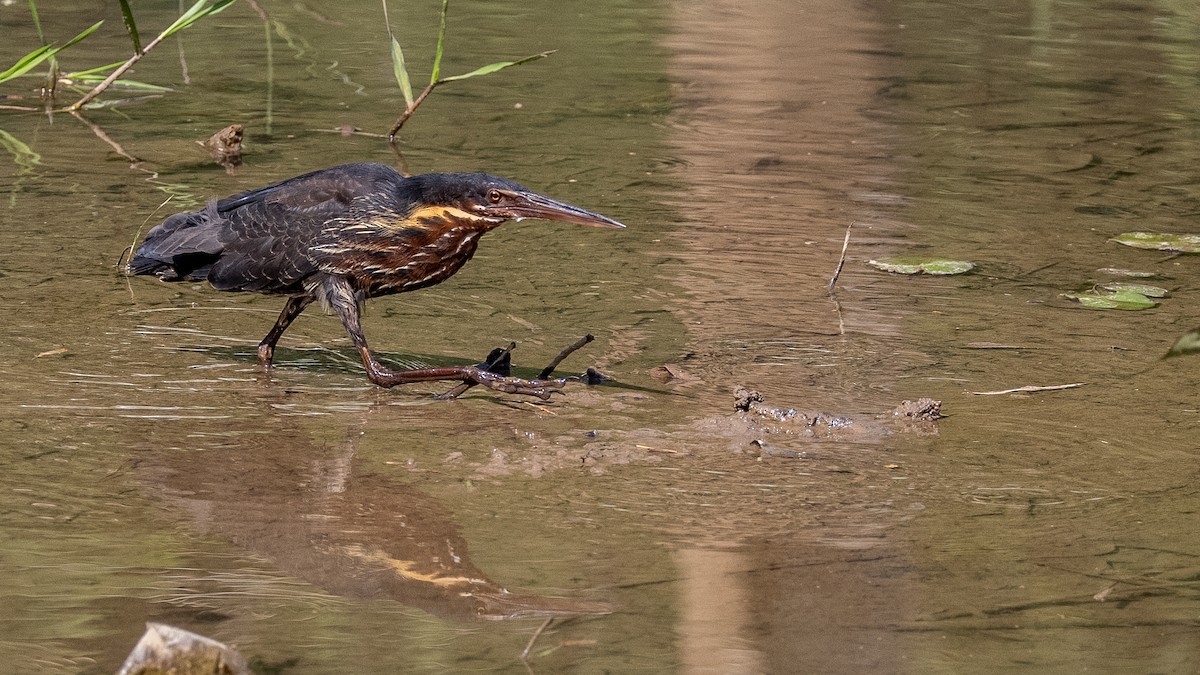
[536, 634]
[567, 351]
[837, 272]
[1029, 388]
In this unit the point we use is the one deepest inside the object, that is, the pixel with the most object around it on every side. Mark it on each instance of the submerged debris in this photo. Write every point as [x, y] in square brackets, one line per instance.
[225, 146]
[910, 416]
[167, 649]
[920, 410]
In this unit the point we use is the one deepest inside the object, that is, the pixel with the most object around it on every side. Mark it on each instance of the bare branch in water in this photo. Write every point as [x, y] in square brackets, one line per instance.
[570, 349]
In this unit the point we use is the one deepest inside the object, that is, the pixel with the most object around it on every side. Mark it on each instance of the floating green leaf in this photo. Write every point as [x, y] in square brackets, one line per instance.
[1180, 243]
[1189, 343]
[1143, 289]
[1126, 300]
[920, 265]
[493, 67]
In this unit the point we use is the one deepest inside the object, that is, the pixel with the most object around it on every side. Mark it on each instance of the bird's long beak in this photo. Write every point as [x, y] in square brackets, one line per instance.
[533, 205]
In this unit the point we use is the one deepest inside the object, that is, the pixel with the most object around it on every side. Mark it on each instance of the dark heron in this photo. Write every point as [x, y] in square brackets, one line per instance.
[345, 234]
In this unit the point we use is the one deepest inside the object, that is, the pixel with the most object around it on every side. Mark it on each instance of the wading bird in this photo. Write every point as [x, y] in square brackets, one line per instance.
[341, 235]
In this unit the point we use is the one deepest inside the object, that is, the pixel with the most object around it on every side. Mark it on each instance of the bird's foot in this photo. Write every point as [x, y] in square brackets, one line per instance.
[542, 389]
[266, 353]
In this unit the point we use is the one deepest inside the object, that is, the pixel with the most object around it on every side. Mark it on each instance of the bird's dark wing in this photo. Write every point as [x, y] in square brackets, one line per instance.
[261, 240]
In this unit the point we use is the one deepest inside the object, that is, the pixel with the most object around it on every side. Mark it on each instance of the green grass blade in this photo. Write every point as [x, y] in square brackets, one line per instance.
[101, 70]
[28, 62]
[193, 14]
[401, 72]
[86, 32]
[131, 26]
[37, 22]
[441, 43]
[33, 58]
[493, 67]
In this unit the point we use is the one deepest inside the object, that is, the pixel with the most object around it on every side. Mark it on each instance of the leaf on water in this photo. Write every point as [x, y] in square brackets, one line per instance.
[1189, 343]
[1126, 300]
[401, 73]
[1118, 272]
[1179, 243]
[493, 67]
[1144, 289]
[920, 265]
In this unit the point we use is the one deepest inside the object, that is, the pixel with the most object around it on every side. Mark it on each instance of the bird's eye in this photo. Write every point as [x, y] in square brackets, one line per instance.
[494, 196]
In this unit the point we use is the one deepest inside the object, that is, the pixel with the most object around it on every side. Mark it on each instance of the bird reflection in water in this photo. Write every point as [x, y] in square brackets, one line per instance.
[352, 534]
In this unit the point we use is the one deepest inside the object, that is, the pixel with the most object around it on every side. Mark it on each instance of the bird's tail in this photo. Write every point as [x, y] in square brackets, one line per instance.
[181, 248]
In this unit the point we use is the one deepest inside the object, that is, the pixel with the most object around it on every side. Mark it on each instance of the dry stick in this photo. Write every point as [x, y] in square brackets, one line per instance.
[462, 387]
[842, 260]
[570, 349]
[1028, 388]
[536, 635]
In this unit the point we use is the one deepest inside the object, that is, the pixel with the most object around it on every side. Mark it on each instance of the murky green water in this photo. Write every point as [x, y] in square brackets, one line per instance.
[153, 473]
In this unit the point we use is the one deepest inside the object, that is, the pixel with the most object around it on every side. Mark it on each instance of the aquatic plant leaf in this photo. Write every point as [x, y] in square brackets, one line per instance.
[919, 265]
[193, 14]
[33, 58]
[22, 154]
[131, 26]
[401, 72]
[27, 62]
[441, 42]
[130, 84]
[1179, 243]
[86, 32]
[1144, 289]
[493, 67]
[1188, 343]
[1124, 300]
[99, 70]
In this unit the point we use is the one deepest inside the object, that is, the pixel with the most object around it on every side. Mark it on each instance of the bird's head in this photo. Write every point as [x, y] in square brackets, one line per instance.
[490, 200]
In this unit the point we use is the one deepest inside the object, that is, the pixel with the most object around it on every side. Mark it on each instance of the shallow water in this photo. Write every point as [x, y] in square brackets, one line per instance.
[153, 473]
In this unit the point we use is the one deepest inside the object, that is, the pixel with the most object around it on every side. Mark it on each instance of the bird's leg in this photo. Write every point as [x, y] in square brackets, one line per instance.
[266, 348]
[344, 303]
